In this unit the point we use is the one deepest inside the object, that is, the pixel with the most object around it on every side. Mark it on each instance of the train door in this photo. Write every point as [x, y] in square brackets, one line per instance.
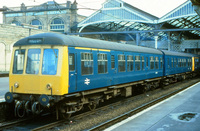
[72, 72]
[113, 69]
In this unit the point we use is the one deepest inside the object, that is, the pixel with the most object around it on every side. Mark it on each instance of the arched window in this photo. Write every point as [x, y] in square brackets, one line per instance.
[57, 25]
[16, 23]
[37, 23]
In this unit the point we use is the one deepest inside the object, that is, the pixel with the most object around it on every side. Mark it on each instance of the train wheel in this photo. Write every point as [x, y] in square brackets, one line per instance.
[92, 106]
[65, 112]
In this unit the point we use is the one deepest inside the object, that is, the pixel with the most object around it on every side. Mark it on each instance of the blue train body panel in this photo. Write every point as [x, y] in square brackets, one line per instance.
[79, 82]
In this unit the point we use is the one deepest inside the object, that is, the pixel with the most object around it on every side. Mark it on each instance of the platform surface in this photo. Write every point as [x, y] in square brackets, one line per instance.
[4, 87]
[178, 113]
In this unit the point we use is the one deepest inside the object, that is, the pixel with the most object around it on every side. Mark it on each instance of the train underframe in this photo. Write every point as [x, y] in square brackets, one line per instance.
[68, 104]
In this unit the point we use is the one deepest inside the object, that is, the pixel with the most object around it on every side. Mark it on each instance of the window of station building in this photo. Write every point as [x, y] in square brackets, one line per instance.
[121, 63]
[156, 63]
[71, 62]
[87, 63]
[102, 63]
[112, 61]
[17, 23]
[151, 62]
[137, 63]
[161, 62]
[130, 63]
[142, 62]
[36, 23]
[57, 25]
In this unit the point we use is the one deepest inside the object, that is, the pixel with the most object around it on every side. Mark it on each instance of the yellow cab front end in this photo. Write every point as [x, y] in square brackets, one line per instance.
[38, 75]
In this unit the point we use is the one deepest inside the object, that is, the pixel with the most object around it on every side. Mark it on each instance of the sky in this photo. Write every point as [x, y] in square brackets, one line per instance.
[155, 7]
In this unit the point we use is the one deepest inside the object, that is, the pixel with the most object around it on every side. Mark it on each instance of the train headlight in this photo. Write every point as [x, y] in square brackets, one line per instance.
[16, 85]
[49, 86]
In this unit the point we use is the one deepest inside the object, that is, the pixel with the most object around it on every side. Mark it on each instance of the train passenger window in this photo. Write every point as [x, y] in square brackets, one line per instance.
[179, 62]
[147, 62]
[121, 63]
[102, 63]
[161, 63]
[50, 62]
[86, 63]
[18, 65]
[168, 65]
[137, 63]
[71, 62]
[151, 62]
[112, 61]
[142, 62]
[33, 61]
[156, 63]
[175, 63]
[130, 63]
[172, 62]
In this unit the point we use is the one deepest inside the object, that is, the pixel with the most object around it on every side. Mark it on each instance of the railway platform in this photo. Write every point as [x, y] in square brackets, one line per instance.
[177, 113]
[4, 87]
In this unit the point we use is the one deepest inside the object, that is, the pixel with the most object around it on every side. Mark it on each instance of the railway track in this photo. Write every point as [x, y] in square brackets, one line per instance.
[69, 125]
[74, 120]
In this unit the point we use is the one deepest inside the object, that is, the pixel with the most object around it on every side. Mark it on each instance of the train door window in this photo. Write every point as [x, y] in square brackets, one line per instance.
[172, 62]
[156, 63]
[112, 61]
[142, 62]
[161, 63]
[121, 63]
[18, 65]
[129, 63]
[71, 62]
[102, 63]
[33, 61]
[50, 62]
[151, 62]
[137, 63]
[86, 63]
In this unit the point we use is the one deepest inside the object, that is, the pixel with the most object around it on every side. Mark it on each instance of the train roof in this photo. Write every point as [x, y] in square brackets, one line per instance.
[74, 41]
[173, 53]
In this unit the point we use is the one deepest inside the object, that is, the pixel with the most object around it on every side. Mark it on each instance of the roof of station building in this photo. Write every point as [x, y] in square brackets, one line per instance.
[117, 15]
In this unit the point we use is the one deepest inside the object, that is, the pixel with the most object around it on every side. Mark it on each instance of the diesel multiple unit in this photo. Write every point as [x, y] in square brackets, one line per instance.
[64, 73]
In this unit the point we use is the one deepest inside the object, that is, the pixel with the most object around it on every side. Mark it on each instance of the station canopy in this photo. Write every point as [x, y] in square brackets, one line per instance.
[116, 15]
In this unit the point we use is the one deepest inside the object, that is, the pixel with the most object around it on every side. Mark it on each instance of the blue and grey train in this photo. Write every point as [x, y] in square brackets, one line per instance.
[56, 71]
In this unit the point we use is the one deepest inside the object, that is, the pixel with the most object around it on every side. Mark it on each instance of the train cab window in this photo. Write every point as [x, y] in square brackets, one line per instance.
[18, 64]
[121, 63]
[71, 62]
[102, 63]
[142, 62]
[156, 63]
[86, 63]
[50, 62]
[130, 63]
[112, 61]
[161, 63]
[151, 62]
[33, 61]
[137, 63]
